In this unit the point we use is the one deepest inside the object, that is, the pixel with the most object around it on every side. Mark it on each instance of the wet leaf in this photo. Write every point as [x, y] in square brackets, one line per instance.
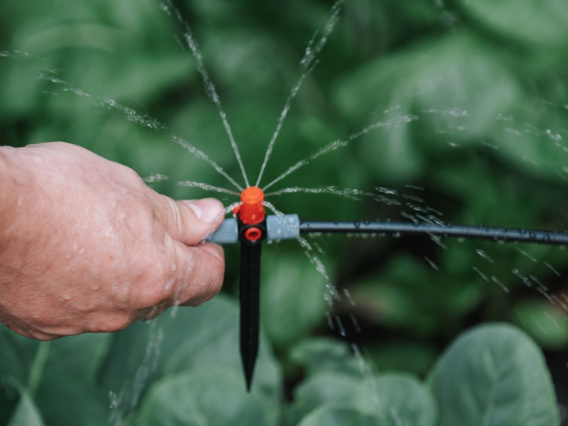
[65, 392]
[292, 298]
[320, 355]
[16, 357]
[338, 416]
[401, 398]
[542, 23]
[26, 413]
[60, 374]
[327, 388]
[455, 87]
[69, 400]
[191, 339]
[212, 396]
[393, 398]
[543, 321]
[494, 375]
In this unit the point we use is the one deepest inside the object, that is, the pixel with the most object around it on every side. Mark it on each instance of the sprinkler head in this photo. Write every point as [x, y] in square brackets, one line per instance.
[251, 212]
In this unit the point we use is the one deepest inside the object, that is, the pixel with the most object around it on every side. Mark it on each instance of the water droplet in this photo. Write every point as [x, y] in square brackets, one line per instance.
[481, 274]
[349, 297]
[484, 255]
[355, 323]
[340, 326]
[431, 263]
[497, 281]
[169, 284]
[554, 271]
[114, 399]
[329, 321]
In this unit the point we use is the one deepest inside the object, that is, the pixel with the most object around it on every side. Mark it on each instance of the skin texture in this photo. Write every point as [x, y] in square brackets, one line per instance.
[86, 246]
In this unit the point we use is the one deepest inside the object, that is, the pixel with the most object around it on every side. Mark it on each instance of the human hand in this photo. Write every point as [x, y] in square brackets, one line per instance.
[86, 246]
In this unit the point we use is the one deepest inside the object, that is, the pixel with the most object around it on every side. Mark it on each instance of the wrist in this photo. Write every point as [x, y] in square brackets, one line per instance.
[4, 179]
[7, 188]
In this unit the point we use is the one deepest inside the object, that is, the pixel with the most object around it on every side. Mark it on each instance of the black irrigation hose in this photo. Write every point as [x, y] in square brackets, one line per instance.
[459, 231]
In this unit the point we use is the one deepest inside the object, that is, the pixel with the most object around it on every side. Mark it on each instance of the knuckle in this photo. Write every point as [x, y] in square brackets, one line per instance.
[156, 285]
[130, 173]
[210, 285]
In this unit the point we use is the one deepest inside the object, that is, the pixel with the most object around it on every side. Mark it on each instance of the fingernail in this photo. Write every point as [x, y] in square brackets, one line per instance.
[207, 209]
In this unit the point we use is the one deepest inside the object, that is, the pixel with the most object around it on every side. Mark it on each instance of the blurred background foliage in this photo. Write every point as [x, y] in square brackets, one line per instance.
[472, 98]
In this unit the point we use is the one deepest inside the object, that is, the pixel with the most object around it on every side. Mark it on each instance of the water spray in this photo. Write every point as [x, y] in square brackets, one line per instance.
[251, 226]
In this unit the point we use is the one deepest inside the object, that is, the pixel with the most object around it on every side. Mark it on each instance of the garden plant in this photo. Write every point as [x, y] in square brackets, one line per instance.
[441, 111]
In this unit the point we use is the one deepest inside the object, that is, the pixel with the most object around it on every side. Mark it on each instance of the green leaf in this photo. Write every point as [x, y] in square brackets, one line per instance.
[181, 340]
[62, 380]
[339, 416]
[325, 388]
[212, 396]
[545, 322]
[390, 397]
[59, 374]
[26, 413]
[292, 293]
[402, 399]
[320, 354]
[17, 356]
[496, 376]
[537, 23]
[70, 401]
[455, 85]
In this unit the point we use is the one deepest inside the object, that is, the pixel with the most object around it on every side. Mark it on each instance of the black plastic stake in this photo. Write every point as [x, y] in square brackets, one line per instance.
[249, 299]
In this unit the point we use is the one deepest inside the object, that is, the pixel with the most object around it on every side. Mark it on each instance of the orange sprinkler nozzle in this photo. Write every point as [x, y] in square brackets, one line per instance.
[251, 212]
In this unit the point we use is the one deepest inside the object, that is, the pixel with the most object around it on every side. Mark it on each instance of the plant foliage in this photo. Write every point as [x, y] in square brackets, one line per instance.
[464, 108]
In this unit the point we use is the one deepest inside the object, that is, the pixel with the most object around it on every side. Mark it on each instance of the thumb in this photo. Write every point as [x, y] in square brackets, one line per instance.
[191, 221]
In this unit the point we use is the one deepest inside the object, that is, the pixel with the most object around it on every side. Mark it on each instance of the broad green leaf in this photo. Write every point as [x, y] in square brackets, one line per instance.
[532, 136]
[537, 23]
[411, 288]
[183, 339]
[496, 376]
[17, 356]
[71, 400]
[392, 397]
[211, 396]
[452, 87]
[339, 416]
[543, 321]
[320, 354]
[329, 388]
[26, 413]
[59, 374]
[79, 356]
[66, 392]
[292, 298]
[401, 399]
